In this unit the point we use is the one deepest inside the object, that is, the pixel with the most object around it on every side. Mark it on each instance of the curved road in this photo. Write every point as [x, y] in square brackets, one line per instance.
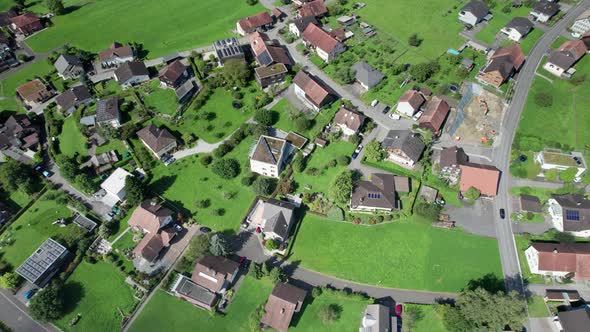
[501, 153]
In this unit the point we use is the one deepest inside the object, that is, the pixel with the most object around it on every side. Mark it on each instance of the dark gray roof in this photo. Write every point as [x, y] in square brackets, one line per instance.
[84, 223]
[66, 60]
[377, 193]
[477, 8]
[452, 156]
[576, 212]
[185, 88]
[575, 320]
[278, 215]
[530, 203]
[186, 287]
[302, 23]
[73, 97]
[42, 260]
[156, 138]
[366, 74]
[547, 8]
[562, 59]
[406, 141]
[107, 109]
[89, 120]
[128, 70]
[228, 48]
[376, 318]
[521, 24]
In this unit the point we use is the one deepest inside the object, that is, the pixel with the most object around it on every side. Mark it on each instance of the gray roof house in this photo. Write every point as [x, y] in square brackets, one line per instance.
[379, 194]
[570, 213]
[403, 147]
[194, 293]
[158, 140]
[474, 12]
[517, 28]
[366, 75]
[107, 111]
[274, 217]
[228, 49]
[68, 66]
[131, 73]
[44, 263]
[576, 320]
[376, 318]
[544, 10]
[72, 98]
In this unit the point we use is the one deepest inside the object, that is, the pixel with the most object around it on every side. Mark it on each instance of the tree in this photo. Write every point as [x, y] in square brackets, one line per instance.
[271, 244]
[264, 186]
[206, 160]
[55, 6]
[343, 160]
[472, 193]
[551, 174]
[544, 99]
[414, 40]
[20, 3]
[47, 305]
[104, 231]
[285, 187]
[568, 175]
[299, 163]
[373, 151]
[13, 173]
[9, 280]
[429, 211]
[345, 75]
[336, 213]
[302, 123]
[265, 117]
[134, 190]
[198, 246]
[218, 245]
[226, 168]
[329, 313]
[423, 71]
[236, 72]
[341, 187]
[276, 274]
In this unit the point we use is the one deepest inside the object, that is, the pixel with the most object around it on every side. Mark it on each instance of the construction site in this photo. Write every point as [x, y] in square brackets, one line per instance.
[477, 118]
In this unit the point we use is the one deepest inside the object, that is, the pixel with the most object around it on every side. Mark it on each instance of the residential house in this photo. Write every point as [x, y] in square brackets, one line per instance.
[156, 222]
[379, 194]
[481, 177]
[174, 74]
[451, 159]
[44, 263]
[7, 58]
[269, 155]
[474, 12]
[300, 24]
[403, 147]
[266, 51]
[69, 66]
[215, 273]
[324, 45]
[549, 159]
[377, 318]
[517, 28]
[504, 62]
[581, 24]
[259, 22]
[570, 213]
[561, 60]
[26, 24]
[284, 301]
[277, 14]
[5, 16]
[273, 74]
[194, 293]
[186, 90]
[544, 11]
[312, 92]
[435, 114]
[158, 140]
[34, 93]
[131, 73]
[574, 320]
[114, 186]
[410, 102]
[115, 55]
[69, 100]
[107, 112]
[562, 295]
[274, 218]
[559, 259]
[529, 203]
[315, 8]
[19, 138]
[341, 34]
[350, 122]
[228, 49]
[366, 75]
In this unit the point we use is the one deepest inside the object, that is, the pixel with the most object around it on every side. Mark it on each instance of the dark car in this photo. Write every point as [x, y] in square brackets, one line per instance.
[502, 213]
[357, 151]
[205, 229]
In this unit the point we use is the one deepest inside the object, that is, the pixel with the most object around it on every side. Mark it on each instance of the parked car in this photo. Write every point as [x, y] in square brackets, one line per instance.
[205, 229]
[178, 228]
[30, 293]
[399, 310]
[417, 116]
[394, 116]
[47, 174]
[502, 213]
[357, 151]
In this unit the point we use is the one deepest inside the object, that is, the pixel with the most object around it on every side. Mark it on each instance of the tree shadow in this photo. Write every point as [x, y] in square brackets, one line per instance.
[164, 183]
[489, 282]
[73, 293]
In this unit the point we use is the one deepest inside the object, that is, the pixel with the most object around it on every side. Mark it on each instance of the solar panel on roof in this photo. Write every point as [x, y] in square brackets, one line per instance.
[264, 59]
[572, 215]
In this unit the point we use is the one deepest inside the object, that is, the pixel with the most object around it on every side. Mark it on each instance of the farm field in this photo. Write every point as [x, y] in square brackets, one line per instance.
[172, 25]
[418, 256]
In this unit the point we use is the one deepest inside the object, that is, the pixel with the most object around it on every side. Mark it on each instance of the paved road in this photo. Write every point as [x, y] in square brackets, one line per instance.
[501, 153]
[14, 314]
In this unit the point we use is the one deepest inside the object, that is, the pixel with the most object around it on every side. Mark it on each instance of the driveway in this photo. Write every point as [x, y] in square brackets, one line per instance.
[171, 254]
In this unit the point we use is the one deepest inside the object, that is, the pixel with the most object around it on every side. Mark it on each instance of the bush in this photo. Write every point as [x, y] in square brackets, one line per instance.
[472, 193]
[248, 179]
[544, 99]
[332, 163]
[426, 210]
[336, 213]
[551, 174]
[302, 123]
[568, 175]
[264, 186]
[299, 163]
[564, 237]
[206, 160]
[578, 80]
[414, 40]
[203, 204]
[222, 150]
[266, 117]
[329, 313]
[226, 168]
[271, 245]
[343, 160]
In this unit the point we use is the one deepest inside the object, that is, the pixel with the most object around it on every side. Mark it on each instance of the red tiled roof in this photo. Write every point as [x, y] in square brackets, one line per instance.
[564, 257]
[483, 178]
[116, 49]
[352, 120]
[149, 217]
[435, 113]
[314, 91]
[173, 71]
[24, 19]
[313, 8]
[513, 52]
[576, 47]
[413, 97]
[255, 21]
[319, 38]
[260, 43]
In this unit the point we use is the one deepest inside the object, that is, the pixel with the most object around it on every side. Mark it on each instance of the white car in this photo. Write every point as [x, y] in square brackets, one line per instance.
[417, 116]
[394, 116]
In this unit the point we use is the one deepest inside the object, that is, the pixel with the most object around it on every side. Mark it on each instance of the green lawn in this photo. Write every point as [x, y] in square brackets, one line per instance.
[113, 144]
[430, 20]
[542, 193]
[125, 242]
[537, 307]
[173, 26]
[161, 100]
[406, 254]
[8, 86]
[320, 159]
[168, 313]
[96, 292]
[187, 181]
[488, 33]
[557, 42]
[71, 140]
[32, 228]
[286, 111]
[427, 318]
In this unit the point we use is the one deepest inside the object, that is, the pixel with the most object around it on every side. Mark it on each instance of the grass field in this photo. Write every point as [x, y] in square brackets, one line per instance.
[428, 320]
[96, 292]
[488, 33]
[32, 228]
[113, 144]
[8, 86]
[161, 100]
[173, 26]
[430, 19]
[405, 254]
[187, 181]
[537, 307]
[71, 140]
[285, 122]
[168, 313]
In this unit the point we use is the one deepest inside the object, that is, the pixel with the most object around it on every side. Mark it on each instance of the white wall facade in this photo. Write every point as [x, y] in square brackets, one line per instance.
[266, 169]
[468, 17]
[301, 95]
[580, 27]
[398, 159]
[406, 109]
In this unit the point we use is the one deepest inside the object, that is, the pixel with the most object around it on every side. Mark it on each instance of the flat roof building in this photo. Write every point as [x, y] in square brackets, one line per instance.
[44, 263]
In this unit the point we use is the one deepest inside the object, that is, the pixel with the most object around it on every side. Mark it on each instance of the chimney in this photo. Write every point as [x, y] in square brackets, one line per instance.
[555, 250]
[282, 311]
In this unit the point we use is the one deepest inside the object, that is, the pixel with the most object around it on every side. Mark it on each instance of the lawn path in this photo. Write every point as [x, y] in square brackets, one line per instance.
[120, 235]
